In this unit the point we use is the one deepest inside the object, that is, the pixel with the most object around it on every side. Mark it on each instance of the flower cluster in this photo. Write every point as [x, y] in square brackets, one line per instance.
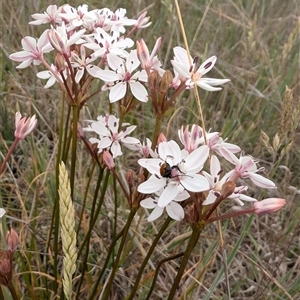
[95, 43]
[177, 174]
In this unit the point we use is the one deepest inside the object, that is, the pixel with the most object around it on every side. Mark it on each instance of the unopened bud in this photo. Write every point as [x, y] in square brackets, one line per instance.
[165, 82]
[6, 267]
[227, 189]
[130, 177]
[268, 206]
[161, 138]
[108, 160]
[12, 240]
[59, 62]
[152, 80]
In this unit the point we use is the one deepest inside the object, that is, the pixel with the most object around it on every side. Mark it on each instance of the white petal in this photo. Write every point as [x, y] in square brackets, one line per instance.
[168, 195]
[197, 183]
[207, 65]
[156, 213]
[152, 185]
[116, 149]
[151, 164]
[195, 161]
[148, 203]
[115, 63]
[117, 92]
[107, 75]
[175, 211]
[262, 181]
[138, 91]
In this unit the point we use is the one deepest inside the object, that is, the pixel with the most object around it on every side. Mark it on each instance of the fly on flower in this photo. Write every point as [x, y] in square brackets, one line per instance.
[168, 171]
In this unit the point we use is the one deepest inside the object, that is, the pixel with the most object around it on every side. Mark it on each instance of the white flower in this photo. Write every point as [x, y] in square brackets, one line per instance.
[245, 167]
[33, 50]
[105, 43]
[174, 209]
[82, 63]
[109, 135]
[51, 15]
[216, 185]
[189, 74]
[122, 78]
[172, 173]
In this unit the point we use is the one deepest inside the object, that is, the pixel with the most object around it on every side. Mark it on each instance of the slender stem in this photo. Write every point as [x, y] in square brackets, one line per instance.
[156, 132]
[74, 147]
[8, 154]
[13, 291]
[85, 196]
[192, 243]
[103, 269]
[149, 253]
[117, 260]
[96, 214]
[55, 213]
[88, 236]
[157, 271]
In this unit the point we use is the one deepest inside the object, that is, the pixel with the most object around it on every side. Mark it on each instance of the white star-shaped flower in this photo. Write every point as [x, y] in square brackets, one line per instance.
[171, 172]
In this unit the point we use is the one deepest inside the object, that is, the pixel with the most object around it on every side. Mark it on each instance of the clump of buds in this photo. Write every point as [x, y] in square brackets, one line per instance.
[6, 257]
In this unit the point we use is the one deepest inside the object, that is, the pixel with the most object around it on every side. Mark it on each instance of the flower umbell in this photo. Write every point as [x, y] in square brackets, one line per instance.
[181, 172]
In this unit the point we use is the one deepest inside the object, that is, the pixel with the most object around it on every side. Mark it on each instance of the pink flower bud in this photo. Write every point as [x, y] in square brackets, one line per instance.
[108, 160]
[142, 21]
[24, 126]
[161, 138]
[268, 206]
[12, 240]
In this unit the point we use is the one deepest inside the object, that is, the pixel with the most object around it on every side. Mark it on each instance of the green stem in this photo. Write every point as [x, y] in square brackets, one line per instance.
[157, 271]
[149, 253]
[156, 132]
[55, 214]
[88, 236]
[117, 260]
[192, 243]
[85, 196]
[74, 147]
[96, 214]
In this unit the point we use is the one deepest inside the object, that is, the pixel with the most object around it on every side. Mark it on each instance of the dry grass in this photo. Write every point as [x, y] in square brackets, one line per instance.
[257, 44]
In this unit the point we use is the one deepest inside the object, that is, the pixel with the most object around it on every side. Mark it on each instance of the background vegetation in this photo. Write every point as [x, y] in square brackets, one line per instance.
[257, 45]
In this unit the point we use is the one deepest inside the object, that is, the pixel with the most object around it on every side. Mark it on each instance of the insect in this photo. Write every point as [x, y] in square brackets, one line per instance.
[166, 170]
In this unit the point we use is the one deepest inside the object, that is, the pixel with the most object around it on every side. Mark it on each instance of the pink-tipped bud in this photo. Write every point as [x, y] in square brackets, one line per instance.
[108, 160]
[130, 177]
[12, 240]
[268, 206]
[6, 267]
[24, 126]
[142, 53]
[161, 138]
[142, 21]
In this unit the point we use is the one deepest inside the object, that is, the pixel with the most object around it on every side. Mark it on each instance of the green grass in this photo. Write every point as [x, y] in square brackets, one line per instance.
[257, 45]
